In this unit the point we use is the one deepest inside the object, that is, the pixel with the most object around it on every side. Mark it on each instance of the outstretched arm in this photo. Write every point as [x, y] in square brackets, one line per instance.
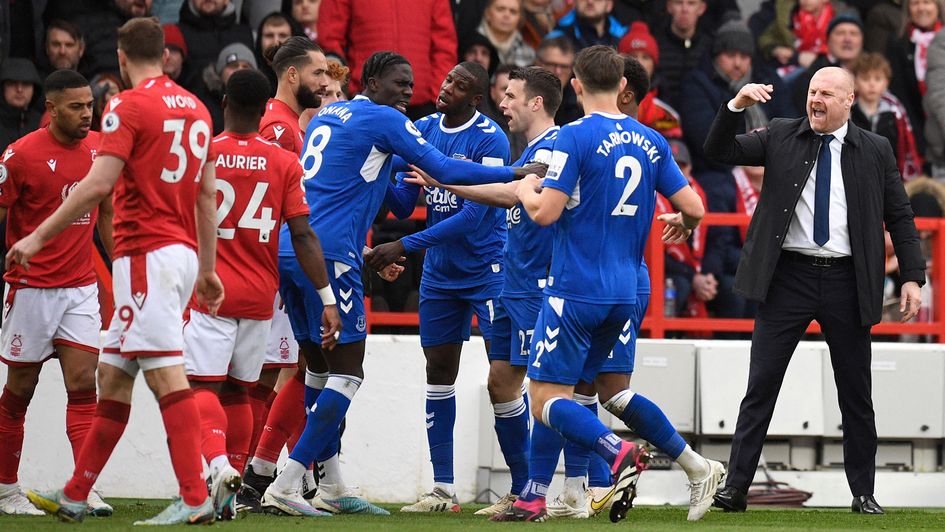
[494, 194]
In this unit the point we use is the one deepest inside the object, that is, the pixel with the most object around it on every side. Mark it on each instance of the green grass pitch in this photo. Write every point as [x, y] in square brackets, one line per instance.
[644, 518]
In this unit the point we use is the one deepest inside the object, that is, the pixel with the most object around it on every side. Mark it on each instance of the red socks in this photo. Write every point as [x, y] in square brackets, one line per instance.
[179, 410]
[260, 400]
[109, 423]
[286, 414]
[239, 432]
[80, 410]
[12, 416]
[213, 424]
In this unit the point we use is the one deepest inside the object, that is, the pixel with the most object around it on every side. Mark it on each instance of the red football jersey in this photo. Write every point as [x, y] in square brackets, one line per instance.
[163, 134]
[280, 124]
[36, 176]
[257, 189]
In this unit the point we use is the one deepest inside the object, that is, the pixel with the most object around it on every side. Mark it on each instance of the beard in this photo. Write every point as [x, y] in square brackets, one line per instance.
[307, 98]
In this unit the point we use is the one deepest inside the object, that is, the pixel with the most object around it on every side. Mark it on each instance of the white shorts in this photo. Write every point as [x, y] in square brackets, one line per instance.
[35, 320]
[151, 293]
[282, 350]
[216, 348]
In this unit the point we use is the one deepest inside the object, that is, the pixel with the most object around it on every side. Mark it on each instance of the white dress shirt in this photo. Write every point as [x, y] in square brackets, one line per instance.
[800, 233]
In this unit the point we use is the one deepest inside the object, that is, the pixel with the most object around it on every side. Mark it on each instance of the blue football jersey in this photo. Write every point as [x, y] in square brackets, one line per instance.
[468, 250]
[346, 159]
[528, 249]
[611, 167]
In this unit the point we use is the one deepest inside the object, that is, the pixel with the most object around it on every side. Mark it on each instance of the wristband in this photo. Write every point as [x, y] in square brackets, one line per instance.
[326, 295]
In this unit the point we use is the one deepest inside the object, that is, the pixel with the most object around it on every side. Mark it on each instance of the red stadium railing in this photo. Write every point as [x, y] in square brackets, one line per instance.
[658, 325]
[655, 323]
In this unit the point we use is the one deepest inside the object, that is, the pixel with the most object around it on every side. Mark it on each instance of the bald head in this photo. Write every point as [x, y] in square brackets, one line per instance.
[829, 99]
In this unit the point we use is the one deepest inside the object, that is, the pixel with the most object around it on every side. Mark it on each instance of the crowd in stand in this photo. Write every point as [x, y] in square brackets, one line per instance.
[699, 53]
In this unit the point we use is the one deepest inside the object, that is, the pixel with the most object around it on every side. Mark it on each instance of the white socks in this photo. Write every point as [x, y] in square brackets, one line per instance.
[694, 464]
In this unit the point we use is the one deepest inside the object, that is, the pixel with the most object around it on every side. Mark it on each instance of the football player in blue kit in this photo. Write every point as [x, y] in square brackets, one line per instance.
[462, 268]
[531, 100]
[612, 384]
[347, 163]
[600, 193]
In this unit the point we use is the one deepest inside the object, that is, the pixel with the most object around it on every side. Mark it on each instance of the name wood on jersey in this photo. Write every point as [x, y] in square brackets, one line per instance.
[178, 101]
[241, 162]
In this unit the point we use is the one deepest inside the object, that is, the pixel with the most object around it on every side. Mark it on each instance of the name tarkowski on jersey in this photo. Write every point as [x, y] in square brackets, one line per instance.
[616, 138]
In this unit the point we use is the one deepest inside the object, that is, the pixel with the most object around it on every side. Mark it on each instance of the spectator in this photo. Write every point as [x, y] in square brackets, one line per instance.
[539, 18]
[476, 47]
[844, 45]
[500, 24]
[556, 54]
[682, 46]
[208, 26]
[274, 29]
[908, 55]
[883, 20]
[934, 104]
[724, 243]
[798, 34]
[639, 44]
[21, 28]
[236, 56]
[877, 110]
[176, 51]
[683, 262]
[104, 87]
[64, 46]
[167, 11]
[711, 86]
[98, 25]
[22, 92]
[305, 14]
[590, 23]
[355, 29]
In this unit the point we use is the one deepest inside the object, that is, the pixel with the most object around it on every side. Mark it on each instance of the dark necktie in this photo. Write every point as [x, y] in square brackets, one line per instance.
[822, 193]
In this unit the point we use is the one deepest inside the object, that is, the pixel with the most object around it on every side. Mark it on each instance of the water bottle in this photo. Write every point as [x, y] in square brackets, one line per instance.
[669, 299]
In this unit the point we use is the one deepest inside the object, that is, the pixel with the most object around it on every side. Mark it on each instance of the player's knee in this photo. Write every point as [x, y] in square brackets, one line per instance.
[503, 383]
[114, 384]
[22, 381]
[77, 380]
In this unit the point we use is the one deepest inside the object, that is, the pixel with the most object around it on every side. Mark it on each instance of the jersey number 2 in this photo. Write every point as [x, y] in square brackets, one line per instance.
[264, 223]
[627, 162]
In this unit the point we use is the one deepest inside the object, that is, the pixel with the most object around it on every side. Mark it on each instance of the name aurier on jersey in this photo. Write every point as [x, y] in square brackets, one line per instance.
[241, 162]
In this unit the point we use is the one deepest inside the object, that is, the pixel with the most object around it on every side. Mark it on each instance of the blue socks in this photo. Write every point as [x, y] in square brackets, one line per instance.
[576, 457]
[646, 419]
[511, 429]
[441, 416]
[543, 453]
[324, 419]
[579, 425]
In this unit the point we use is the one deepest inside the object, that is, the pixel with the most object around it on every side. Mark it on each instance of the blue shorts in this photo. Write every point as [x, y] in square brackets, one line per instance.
[623, 355]
[573, 339]
[304, 307]
[512, 329]
[446, 315]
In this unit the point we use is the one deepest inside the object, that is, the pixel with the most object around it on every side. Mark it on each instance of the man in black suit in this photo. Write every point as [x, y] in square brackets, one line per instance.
[815, 250]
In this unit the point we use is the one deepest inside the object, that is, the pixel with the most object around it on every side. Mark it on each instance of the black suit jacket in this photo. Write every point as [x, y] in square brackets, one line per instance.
[874, 193]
